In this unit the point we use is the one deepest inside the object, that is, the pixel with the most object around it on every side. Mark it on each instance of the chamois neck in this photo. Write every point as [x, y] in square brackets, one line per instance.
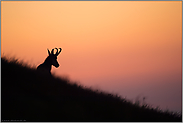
[47, 61]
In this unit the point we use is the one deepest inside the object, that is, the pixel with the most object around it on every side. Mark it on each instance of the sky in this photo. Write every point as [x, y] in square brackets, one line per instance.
[123, 47]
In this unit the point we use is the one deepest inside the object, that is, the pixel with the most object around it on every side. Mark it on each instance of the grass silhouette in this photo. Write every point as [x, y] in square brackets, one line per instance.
[28, 95]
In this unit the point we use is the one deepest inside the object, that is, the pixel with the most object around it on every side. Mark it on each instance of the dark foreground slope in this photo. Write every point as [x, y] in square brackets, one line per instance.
[27, 95]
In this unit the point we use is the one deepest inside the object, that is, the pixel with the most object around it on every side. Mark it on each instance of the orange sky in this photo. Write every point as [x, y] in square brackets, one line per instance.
[125, 47]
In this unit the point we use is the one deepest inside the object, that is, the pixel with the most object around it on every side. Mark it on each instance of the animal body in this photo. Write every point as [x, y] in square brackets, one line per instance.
[49, 61]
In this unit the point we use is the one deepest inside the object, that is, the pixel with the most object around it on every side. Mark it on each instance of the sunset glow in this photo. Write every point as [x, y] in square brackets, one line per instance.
[125, 47]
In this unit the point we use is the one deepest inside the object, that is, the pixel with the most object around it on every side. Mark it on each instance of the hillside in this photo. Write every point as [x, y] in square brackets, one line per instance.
[27, 95]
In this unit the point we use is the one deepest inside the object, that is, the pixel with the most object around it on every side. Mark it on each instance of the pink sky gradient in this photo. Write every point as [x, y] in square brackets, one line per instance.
[125, 47]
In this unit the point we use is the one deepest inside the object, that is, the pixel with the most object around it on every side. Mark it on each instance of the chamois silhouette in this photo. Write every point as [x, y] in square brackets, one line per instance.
[49, 61]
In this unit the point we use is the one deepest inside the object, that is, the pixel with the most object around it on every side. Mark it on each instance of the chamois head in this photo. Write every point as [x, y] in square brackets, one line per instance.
[49, 61]
[52, 58]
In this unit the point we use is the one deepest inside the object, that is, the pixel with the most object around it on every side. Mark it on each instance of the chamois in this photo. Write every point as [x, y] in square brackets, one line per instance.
[49, 61]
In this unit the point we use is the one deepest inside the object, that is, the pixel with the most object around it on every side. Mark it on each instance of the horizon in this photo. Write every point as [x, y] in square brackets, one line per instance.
[124, 47]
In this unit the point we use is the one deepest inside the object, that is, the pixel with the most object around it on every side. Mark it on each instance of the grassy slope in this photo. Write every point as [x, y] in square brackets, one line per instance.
[32, 96]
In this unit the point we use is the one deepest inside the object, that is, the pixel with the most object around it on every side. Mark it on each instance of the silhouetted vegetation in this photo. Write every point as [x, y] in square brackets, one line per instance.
[28, 95]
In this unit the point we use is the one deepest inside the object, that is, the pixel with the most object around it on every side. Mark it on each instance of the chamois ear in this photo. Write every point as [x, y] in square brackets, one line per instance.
[48, 51]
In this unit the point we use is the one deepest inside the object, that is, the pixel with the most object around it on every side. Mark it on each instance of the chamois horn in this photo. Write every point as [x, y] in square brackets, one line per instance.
[52, 51]
[58, 52]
